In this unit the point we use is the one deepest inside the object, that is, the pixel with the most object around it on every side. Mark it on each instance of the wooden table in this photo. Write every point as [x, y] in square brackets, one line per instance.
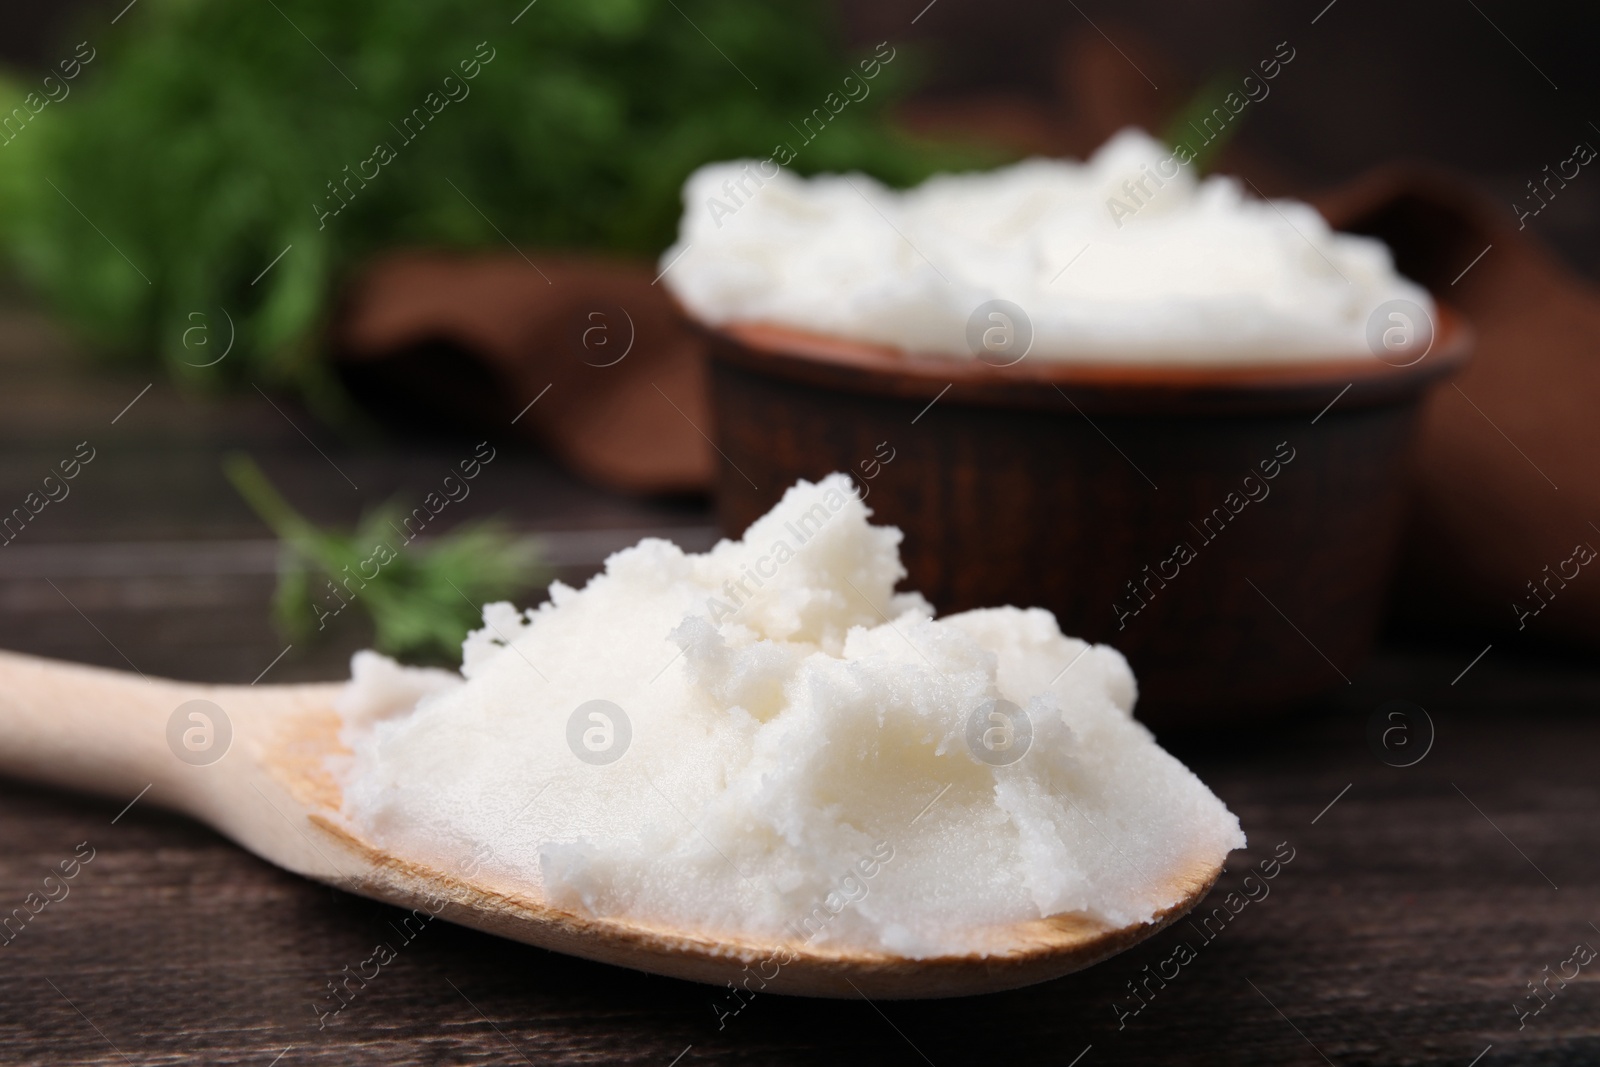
[1419, 903]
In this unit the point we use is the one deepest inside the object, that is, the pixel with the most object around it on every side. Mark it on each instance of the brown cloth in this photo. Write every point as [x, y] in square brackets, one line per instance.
[1506, 495]
[615, 375]
[1505, 504]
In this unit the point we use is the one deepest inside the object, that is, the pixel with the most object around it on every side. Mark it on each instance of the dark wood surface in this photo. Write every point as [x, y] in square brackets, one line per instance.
[1416, 908]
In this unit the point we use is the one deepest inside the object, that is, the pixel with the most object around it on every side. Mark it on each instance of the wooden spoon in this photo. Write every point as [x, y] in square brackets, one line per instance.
[108, 732]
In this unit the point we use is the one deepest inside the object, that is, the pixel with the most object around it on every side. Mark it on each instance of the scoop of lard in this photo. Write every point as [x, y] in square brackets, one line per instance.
[767, 741]
[1128, 256]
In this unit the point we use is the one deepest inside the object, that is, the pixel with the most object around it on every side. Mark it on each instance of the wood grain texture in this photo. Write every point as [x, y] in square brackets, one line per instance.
[1402, 932]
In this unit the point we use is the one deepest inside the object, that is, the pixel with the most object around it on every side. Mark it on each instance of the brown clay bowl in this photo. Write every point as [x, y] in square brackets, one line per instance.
[1072, 486]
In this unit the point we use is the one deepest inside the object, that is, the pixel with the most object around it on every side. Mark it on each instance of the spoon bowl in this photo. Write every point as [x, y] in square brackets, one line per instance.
[256, 764]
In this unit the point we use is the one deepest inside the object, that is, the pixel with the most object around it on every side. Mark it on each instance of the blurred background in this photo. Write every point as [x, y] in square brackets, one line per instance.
[180, 214]
[1375, 82]
[239, 344]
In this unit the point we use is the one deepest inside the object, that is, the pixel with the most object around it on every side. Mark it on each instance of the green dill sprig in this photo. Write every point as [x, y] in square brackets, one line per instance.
[422, 596]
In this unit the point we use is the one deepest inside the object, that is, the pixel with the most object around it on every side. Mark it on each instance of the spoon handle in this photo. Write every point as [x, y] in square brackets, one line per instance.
[115, 733]
[87, 728]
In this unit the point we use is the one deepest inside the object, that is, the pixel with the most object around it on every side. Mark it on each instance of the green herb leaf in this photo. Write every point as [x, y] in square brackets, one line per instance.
[1204, 124]
[208, 141]
[422, 596]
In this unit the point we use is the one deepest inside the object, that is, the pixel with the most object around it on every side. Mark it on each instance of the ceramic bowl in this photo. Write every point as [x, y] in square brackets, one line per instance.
[1231, 529]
